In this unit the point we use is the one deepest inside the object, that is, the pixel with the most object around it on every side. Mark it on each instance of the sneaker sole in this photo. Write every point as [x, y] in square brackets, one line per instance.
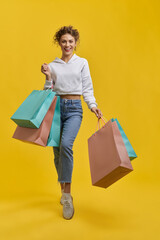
[70, 217]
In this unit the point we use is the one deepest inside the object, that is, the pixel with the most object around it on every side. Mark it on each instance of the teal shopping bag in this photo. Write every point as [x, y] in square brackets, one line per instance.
[130, 150]
[34, 108]
[54, 135]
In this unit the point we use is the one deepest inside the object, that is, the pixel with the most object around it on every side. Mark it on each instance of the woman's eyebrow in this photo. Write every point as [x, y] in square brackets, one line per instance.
[69, 40]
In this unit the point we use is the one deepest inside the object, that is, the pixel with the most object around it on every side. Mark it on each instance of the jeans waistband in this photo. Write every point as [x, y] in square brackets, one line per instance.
[64, 100]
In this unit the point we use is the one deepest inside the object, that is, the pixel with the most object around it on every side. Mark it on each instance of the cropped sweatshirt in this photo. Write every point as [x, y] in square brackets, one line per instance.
[72, 78]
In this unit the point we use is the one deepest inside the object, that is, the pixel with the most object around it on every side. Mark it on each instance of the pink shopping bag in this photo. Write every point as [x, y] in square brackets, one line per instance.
[39, 135]
[108, 157]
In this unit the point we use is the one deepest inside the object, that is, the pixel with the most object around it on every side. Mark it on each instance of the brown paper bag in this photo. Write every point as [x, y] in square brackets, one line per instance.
[39, 135]
[108, 157]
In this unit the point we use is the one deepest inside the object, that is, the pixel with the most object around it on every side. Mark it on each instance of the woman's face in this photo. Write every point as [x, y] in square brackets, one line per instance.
[67, 43]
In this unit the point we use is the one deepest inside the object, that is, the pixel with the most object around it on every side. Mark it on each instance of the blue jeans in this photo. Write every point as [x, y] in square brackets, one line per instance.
[71, 118]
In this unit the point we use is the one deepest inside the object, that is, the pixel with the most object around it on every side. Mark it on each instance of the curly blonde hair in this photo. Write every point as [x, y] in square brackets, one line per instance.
[66, 29]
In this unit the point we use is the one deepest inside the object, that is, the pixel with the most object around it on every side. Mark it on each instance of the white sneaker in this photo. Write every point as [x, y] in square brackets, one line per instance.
[68, 209]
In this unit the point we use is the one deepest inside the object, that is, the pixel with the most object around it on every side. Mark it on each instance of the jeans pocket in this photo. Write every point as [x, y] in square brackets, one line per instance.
[77, 106]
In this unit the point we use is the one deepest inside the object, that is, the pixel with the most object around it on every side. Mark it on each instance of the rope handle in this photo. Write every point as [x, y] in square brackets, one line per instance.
[47, 89]
[98, 123]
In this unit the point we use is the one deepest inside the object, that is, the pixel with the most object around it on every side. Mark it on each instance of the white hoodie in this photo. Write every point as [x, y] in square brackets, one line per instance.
[72, 78]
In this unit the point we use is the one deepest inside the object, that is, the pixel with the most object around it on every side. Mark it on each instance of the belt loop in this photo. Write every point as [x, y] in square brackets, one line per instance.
[71, 101]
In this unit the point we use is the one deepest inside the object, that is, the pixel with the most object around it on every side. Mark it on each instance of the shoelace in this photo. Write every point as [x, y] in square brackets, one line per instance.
[67, 203]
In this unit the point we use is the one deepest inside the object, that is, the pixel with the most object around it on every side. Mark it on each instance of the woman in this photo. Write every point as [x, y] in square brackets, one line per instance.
[69, 76]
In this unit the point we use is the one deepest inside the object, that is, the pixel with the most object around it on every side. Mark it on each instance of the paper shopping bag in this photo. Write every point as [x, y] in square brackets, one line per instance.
[130, 150]
[34, 108]
[40, 135]
[108, 157]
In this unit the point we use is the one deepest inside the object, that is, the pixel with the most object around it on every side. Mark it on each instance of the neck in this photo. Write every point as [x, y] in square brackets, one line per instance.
[67, 58]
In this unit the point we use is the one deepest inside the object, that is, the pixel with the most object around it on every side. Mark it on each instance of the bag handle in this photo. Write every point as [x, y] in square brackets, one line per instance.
[47, 89]
[98, 123]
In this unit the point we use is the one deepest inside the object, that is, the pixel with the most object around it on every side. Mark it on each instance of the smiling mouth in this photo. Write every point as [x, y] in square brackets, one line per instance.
[67, 50]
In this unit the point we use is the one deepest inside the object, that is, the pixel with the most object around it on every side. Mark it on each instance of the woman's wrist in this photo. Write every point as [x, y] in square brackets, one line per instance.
[48, 77]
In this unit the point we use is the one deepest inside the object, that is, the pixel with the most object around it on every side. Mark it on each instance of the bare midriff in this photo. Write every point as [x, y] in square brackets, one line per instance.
[71, 96]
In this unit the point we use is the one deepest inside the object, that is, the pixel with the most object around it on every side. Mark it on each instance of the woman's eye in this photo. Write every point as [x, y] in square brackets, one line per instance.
[69, 41]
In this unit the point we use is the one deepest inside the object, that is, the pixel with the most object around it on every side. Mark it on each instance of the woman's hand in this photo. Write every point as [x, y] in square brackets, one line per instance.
[97, 111]
[45, 69]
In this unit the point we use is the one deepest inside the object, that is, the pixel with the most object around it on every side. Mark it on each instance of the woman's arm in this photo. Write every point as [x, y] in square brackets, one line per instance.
[45, 68]
[87, 90]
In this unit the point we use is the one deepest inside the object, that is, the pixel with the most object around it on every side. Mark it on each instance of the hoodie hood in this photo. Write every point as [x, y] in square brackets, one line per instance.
[72, 59]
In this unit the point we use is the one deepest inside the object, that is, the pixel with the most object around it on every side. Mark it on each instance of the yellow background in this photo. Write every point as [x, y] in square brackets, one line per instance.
[121, 41]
